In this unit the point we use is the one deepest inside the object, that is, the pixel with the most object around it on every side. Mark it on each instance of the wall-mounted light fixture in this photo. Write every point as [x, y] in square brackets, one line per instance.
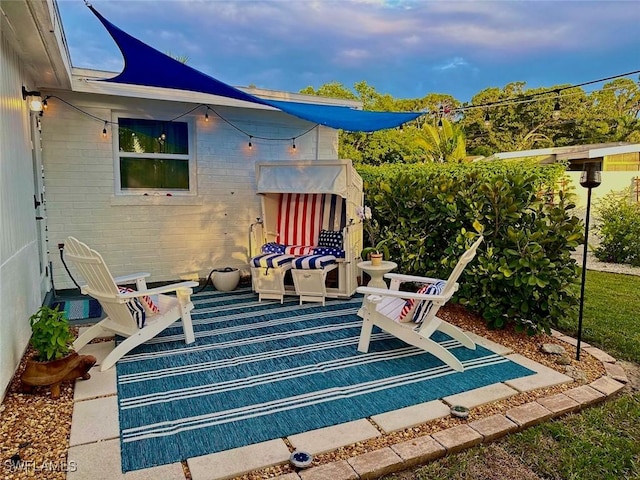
[35, 102]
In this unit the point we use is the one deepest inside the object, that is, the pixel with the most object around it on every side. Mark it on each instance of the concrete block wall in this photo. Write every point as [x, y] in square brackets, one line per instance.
[170, 237]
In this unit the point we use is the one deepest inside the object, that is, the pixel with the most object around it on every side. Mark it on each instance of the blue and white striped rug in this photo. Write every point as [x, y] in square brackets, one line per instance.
[262, 371]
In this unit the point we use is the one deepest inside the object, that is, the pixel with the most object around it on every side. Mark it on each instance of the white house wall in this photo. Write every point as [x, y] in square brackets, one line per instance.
[170, 237]
[19, 265]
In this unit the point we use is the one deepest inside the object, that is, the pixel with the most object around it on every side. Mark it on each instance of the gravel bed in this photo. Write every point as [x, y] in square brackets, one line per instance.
[35, 429]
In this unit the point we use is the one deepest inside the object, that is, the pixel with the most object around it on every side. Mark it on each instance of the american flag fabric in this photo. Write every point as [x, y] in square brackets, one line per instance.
[313, 262]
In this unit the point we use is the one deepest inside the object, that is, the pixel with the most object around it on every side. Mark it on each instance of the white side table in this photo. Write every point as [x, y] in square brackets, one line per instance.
[377, 272]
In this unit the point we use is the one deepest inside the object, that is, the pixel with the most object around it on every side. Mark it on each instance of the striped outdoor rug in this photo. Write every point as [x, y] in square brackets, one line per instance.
[262, 371]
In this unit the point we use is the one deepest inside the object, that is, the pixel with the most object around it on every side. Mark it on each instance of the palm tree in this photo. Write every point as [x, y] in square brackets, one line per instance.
[444, 143]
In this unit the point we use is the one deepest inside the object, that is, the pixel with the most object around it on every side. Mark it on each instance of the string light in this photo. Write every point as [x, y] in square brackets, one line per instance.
[293, 143]
[104, 130]
[45, 105]
[250, 144]
[487, 119]
[206, 115]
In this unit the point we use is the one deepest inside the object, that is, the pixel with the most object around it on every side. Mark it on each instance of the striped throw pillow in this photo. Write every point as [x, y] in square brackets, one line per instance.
[406, 314]
[135, 307]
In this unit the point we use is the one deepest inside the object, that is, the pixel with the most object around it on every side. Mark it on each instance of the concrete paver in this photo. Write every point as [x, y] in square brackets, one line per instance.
[99, 385]
[238, 461]
[457, 438]
[375, 464]
[493, 427]
[616, 372]
[528, 414]
[585, 395]
[419, 450]
[99, 350]
[544, 377]
[411, 416]
[559, 404]
[607, 385]
[329, 438]
[94, 420]
[334, 471]
[481, 396]
[102, 461]
[600, 355]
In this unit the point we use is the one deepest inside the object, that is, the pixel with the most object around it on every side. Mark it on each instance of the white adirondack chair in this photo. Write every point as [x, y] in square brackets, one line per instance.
[102, 286]
[382, 307]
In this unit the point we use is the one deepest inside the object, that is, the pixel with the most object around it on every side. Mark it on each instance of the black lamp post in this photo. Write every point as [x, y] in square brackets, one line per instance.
[589, 179]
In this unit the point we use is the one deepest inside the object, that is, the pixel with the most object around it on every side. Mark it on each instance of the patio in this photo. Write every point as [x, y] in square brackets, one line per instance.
[363, 448]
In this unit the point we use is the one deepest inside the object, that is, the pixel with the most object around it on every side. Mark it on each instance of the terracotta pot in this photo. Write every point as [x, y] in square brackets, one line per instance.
[376, 259]
[53, 373]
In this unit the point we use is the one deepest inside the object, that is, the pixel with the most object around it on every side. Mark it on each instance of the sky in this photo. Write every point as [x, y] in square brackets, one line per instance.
[404, 48]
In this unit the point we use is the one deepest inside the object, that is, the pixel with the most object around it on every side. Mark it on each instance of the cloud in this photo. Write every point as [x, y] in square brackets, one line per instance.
[451, 64]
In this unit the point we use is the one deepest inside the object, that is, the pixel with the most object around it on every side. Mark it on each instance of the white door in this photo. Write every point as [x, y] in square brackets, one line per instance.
[39, 205]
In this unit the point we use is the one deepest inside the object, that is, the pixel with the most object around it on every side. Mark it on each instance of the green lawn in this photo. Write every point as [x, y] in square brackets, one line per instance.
[611, 317]
[598, 443]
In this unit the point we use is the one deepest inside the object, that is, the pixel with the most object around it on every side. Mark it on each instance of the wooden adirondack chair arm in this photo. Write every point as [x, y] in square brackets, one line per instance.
[131, 278]
[164, 289]
[411, 278]
[383, 292]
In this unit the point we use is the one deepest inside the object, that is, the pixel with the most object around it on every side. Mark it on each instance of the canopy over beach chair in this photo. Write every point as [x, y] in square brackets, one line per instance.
[138, 315]
[410, 316]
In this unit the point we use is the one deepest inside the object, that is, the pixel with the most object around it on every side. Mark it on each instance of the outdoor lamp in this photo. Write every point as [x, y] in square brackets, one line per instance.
[35, 104]
[589, 179]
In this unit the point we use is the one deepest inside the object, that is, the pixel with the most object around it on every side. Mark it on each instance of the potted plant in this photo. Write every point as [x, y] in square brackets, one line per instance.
[377, 251]
[54, 360]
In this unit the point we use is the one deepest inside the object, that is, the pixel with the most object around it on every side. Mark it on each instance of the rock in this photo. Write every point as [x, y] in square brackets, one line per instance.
[563, 360]
[553, 349]
[575, 373]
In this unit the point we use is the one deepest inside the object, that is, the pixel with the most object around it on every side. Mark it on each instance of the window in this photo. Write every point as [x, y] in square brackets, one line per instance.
[154, 157]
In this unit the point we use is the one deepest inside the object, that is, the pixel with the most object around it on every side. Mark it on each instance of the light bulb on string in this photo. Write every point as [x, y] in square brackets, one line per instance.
[556, 108]
[487, 120]
[104, 130]
[293, 143]
[250, 144]
[45, 105]
[206, 115]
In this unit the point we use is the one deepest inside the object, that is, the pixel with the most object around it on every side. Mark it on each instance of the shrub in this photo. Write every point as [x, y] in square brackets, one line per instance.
[523, 273]
[618, 226]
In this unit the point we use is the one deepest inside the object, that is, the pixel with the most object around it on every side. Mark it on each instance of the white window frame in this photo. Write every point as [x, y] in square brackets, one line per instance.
[155, 192]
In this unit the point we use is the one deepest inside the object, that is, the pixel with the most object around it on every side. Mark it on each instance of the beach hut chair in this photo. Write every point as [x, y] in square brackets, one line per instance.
[412, 317]
[138, 315]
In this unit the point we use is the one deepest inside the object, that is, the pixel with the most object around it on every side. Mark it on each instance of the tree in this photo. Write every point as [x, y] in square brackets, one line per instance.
[442, 143]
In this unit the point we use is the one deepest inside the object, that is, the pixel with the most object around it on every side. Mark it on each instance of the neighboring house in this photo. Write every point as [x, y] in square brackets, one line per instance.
[619, 163]
[61, 176]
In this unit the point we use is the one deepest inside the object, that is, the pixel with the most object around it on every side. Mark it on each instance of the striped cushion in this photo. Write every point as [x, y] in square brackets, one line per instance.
[313, 262]
[299, 218]
[336, 252]
[415, 310]
[135, 308]
[298, 250]
[271, 260]
[424, 306]
[273, 247]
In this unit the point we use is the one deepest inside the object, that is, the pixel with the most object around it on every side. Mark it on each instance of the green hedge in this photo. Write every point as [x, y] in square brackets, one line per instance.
[523, 273]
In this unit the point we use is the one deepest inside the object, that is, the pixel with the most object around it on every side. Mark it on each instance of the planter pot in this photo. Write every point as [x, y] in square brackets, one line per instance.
[376, 259]
[54, 372]
[226, 279]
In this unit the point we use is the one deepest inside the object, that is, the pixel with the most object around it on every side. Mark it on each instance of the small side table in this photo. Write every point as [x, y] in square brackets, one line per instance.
[377, 272]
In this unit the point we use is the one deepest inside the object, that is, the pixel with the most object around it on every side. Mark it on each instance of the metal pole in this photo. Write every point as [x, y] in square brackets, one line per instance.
[584, 272]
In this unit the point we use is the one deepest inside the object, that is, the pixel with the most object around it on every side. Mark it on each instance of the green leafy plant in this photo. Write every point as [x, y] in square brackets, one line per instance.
[618, 225]
[51, 336]
[523, 274]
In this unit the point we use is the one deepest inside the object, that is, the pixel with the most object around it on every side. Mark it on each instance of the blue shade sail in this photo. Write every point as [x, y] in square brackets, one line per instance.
[144, 65]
